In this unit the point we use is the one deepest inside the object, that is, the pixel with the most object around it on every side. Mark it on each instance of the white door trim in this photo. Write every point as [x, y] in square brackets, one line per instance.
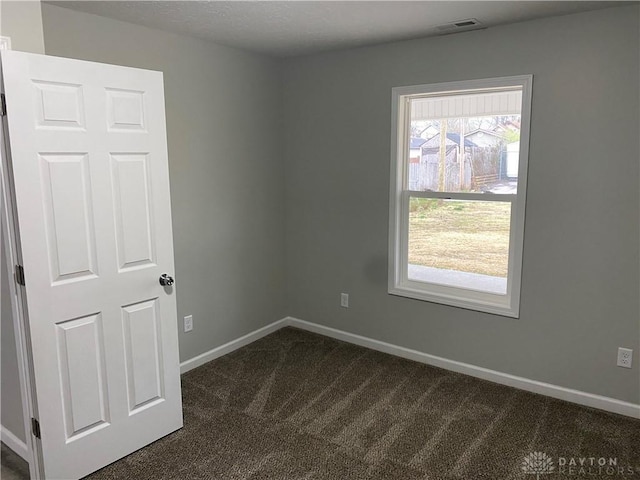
[10, 239]
[14, 443]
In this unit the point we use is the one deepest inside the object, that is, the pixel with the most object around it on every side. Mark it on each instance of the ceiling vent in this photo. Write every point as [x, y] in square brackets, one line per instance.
[459, 26]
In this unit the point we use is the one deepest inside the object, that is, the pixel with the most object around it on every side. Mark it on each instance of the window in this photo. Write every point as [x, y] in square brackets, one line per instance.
[458, 186]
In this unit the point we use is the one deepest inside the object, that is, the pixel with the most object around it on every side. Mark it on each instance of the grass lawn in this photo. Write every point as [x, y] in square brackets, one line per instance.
[460, 235]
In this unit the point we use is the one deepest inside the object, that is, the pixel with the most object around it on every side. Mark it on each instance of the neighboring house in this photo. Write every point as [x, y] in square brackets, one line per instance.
[414, 149]
[429, 132]
[453, 139]
[424, 174]
[513, 158]
[509, 126]
[484, 138]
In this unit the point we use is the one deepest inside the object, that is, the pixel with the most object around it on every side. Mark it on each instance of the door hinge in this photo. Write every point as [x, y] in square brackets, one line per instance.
[20, 275]
[3, 101]
[35, 427]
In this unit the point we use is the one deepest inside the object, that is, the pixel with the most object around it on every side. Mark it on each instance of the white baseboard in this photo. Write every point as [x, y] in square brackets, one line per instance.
[232, 345]
[554, 391]
[570, 395]
[14, 443]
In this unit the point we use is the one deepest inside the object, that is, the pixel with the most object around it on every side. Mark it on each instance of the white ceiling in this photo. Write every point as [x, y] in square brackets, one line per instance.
[289, 28]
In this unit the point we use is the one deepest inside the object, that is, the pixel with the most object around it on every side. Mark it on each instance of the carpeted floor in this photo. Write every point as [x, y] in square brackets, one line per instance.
[296, 405]
[12, 467]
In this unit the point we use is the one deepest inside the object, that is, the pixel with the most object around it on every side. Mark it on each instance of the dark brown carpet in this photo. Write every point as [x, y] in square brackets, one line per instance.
[12, 466]
[295, 405]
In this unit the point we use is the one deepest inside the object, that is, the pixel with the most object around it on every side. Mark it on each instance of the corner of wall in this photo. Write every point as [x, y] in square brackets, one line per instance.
[22, 22]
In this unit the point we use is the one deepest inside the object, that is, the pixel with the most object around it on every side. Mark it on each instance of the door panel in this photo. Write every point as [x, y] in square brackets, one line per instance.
[90, 169]
[143, 354]
[82, 374]
[125, 110]
[58, 105]
[133, 211]
[68, 216]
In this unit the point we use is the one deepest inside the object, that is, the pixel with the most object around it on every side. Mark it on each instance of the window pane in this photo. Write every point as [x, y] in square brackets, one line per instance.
[465, 143]
[459, 243]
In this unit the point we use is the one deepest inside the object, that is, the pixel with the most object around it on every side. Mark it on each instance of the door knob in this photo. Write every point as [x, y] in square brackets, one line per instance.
[166, 280]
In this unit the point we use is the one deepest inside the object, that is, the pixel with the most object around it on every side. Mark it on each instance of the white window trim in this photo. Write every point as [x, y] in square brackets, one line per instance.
[399, 284]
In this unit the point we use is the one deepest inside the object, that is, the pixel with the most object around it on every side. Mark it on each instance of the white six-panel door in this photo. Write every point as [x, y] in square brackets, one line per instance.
[90, 170]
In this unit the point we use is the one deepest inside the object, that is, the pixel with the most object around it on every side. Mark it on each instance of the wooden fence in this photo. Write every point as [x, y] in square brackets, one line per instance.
[483, 166]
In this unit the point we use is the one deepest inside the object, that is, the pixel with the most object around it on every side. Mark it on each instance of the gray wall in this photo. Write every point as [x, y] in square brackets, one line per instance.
[225, 161]
[580, 274]
[22, 21]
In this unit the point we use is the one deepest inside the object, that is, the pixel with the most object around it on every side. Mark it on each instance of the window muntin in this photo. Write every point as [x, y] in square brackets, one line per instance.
[457, 200]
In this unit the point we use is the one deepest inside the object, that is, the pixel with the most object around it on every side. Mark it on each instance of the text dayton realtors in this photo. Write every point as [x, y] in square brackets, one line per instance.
[592, 466]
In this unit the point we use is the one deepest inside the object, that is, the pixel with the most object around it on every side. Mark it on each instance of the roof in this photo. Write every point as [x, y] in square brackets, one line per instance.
[452, 139]
[488, 132]
[455, 138]
[416, 142]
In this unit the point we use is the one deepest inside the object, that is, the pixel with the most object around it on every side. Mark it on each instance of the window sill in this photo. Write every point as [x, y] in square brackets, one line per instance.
[457, 297]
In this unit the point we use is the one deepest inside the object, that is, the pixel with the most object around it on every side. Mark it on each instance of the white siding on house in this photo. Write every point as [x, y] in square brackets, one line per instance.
[473, 105]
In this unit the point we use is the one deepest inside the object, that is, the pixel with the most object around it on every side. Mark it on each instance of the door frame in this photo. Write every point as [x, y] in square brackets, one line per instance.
[11, 241]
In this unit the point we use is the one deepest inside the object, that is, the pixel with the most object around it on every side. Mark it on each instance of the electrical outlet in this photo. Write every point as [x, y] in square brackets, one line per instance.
[188, 323]
[344, 300]
[5, 43]
[625, 355]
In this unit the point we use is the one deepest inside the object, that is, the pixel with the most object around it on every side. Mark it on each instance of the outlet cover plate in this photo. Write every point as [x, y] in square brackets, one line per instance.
[188, 323]
[344, 300]
[625, 357]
